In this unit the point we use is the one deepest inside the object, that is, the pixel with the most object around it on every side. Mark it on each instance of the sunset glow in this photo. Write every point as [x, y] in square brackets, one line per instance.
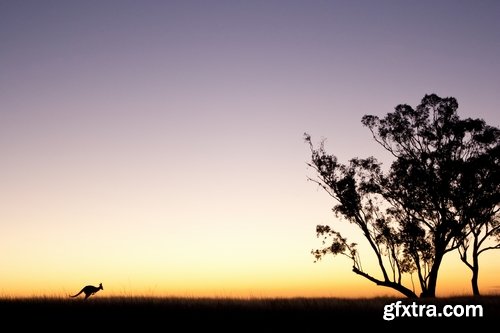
[157, 146]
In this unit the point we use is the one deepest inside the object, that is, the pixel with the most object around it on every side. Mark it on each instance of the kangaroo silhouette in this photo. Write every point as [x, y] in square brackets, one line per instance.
[89, 291]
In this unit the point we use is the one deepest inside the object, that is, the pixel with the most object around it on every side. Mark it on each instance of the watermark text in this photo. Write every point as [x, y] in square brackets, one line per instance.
[400, 310]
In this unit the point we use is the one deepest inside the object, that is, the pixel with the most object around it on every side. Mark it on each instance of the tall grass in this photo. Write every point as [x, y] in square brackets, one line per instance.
[125, 312]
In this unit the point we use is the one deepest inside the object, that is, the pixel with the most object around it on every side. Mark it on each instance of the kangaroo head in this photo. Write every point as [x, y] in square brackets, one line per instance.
[100, 286]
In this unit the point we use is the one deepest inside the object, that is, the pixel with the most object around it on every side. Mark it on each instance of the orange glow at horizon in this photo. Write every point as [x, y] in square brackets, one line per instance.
[157, 146]
[241, 273]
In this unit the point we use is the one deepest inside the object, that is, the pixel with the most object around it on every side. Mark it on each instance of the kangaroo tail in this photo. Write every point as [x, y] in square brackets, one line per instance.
[81, 291]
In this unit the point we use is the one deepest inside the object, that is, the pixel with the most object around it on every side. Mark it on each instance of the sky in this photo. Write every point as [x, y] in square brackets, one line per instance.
[157, 146]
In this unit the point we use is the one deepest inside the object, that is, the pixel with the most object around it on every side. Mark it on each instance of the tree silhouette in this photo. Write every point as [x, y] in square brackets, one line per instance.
[416, 212]
[482, 183]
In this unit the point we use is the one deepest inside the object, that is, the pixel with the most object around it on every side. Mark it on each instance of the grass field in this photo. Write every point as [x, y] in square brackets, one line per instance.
[231, 314]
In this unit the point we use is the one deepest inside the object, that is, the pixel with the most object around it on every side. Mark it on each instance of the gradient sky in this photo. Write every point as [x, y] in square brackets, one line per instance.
[157, 146]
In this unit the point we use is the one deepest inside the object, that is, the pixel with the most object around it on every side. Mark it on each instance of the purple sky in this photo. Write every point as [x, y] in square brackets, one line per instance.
[192, 112]
[217, 68]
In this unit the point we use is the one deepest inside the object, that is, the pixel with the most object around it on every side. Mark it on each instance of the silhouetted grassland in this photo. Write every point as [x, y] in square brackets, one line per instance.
[228, 314]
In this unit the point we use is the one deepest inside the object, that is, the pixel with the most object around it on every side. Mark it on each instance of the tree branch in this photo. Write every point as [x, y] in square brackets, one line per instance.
[402, 289]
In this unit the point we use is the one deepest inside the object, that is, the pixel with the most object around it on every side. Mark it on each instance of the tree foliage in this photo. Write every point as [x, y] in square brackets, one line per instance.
[433, 199]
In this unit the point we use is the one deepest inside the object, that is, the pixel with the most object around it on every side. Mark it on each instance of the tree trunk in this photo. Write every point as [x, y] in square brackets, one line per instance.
[433, 276]
[475, 272]
[474, 281]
